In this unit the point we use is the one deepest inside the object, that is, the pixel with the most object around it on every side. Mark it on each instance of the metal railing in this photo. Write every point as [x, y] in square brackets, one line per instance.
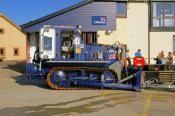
[160, 76]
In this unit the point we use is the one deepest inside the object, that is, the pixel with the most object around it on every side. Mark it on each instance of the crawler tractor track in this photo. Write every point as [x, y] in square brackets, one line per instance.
[67, 69]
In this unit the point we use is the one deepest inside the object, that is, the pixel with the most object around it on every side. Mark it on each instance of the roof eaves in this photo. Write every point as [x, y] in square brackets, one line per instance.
[111, 0]
[56, 14]
[11, 22]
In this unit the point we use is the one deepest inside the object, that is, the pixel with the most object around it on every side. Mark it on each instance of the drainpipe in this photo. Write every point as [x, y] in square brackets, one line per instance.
[149, 16]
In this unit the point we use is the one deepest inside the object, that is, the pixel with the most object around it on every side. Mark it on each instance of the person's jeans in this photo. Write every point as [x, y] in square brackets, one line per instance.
[129, 61]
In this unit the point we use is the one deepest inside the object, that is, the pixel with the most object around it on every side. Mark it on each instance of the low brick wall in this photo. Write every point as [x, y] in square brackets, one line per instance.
[158, 67]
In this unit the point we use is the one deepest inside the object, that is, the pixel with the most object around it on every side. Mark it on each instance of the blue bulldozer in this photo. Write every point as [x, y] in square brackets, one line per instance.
[69, 63]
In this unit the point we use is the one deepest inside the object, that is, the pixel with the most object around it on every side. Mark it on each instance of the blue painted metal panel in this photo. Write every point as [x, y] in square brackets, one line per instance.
[83, 16]
[58, 47]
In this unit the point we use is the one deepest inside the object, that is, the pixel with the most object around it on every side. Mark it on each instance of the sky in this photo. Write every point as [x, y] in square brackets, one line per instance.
[23, 11]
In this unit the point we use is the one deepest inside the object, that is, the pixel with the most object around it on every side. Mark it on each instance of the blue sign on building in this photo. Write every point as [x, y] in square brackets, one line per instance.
[99, 20]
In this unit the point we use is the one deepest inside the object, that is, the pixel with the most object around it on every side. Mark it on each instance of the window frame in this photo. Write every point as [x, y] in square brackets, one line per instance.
[163, 28]
[14, 52]
[2, 32]
[119, 15]
[2, 48]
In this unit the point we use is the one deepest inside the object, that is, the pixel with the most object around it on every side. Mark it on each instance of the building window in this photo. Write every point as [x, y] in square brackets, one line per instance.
[122, 9]
[47, 43]
[89, 37]
[2, 51]
[16, 51]
[1, 30]
[163, 15]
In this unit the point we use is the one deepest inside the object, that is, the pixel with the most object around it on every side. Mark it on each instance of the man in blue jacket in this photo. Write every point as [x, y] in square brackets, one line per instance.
[138, 53]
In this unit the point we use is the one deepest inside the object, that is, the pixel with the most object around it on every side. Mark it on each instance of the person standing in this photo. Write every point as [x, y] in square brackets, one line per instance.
[162, 57]
[128, 57]
[158, 59]
[169, 58]
[138, 53]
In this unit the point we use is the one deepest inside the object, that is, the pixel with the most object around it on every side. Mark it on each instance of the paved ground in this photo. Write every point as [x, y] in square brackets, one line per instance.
[20, 96]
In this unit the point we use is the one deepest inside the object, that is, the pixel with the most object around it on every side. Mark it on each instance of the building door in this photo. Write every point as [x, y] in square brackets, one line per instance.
[89, 37]
[33, 45]
[174, 45]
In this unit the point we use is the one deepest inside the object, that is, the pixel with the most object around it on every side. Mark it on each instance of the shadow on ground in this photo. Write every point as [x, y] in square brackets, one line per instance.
[21, 78]
[65, 108]
[24, 81]
[18, 66]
